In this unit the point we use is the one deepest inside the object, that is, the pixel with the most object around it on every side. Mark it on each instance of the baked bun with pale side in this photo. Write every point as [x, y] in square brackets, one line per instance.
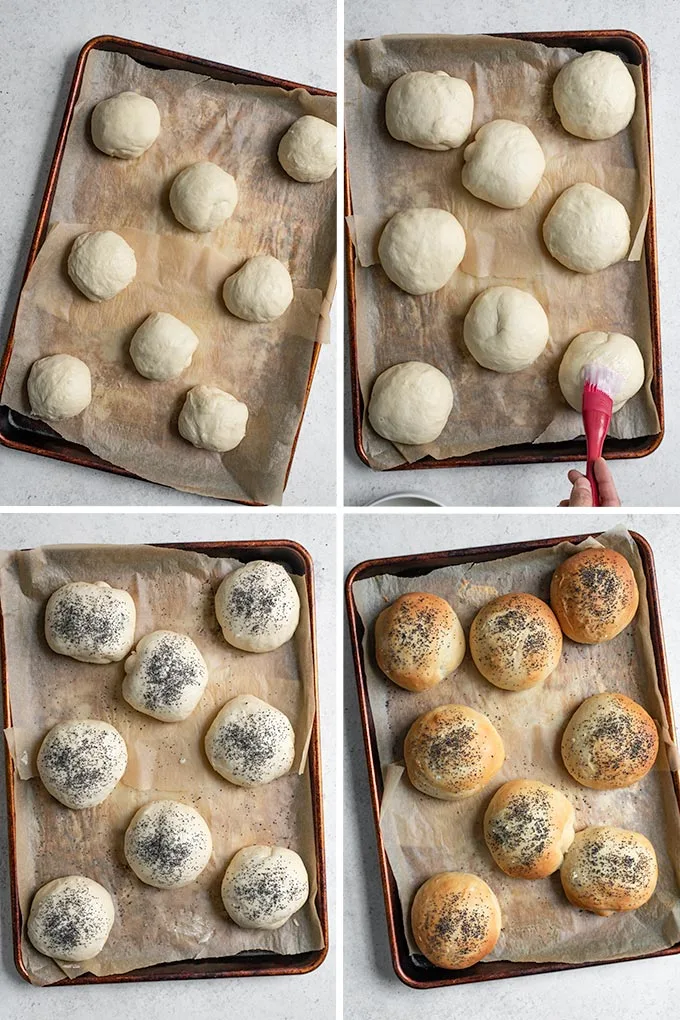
[456, 920]
[528, 828]
[610, 742]
[515, 641]
[594, 595]
[607, 870]
[418, 641]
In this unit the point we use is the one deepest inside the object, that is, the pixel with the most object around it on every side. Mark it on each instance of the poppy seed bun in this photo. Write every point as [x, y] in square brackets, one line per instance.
[516, 641]
[528, 827]
[594, 595]
[452, 752]
[456, 920]
[607, 870]
[418, 641]
[610, 742]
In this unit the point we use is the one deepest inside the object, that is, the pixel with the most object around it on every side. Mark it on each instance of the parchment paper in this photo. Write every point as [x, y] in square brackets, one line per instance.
[172, 590]
[132, 421]
[424, 836]
[511, 80]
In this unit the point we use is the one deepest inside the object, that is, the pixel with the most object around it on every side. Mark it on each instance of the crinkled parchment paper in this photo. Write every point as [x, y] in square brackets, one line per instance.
[172, 590]
[424, 836]
[511, 80]
[132, 421]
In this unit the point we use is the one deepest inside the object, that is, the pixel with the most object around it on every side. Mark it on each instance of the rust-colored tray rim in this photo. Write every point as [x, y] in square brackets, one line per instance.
[243, 965]
[420, 564]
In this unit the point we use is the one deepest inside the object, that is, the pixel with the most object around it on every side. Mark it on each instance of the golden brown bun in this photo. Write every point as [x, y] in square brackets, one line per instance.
[607, 870]
[456, 920]
[418, 641]
[516, 641]
[610, 742]
[528, 827]
[594, 595]
[452, 752]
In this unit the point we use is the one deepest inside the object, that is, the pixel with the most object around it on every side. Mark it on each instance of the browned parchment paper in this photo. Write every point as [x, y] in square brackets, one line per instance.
[511, 80]
[424, 836]
[132, 421]
[172, 590]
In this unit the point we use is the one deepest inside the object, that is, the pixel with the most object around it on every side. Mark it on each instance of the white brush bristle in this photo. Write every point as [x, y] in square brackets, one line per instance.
[603, 377]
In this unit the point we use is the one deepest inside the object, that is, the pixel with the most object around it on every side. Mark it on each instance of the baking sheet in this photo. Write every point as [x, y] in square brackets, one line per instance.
[511, 79]
[172, 589]
[132, 421]
[424, 836]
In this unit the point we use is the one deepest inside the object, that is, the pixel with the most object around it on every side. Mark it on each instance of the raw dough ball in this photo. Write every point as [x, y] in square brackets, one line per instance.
[203, 196]
[614, 350]
[59, 387]
[257, 607]
[418, 641]
[90, 622]
[70, 919]
[455, 919]
[505, 329]
[81, 762]
[504, 165]
[162, 347]
[429, 109]
[528, 828]
[607, 870]
[250, 743]
[587, 229]
[165, 676]
[610, 742]
[260, 291]
[516, 641]
[125, 125]
[264, 886]
[410, 403]
[212, 419]
[594, 95]
[101, 264]
[307, 150]
[420, 249]
[167, 844]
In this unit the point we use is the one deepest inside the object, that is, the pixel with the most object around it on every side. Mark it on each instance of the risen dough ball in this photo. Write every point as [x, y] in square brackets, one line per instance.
[59, 387]
[90, 622]
[70, 919]
[504, 165]
[528, 828]
[264, 886]
[594, 95]
[516, 641]
[81, 762]
[505, 329]
[250, 743]
[162, 347]
[613, 350]
[101, 264]
[125, 125]
[165, 676]
[587, 229]
[260, 291]
[307, 151]
[212, 419]
[410, 403]
[456, 920]
[257, 606]
[203, 196]
[420, 249]
[418, 641]
[429, 109]
[607, 870]
[167, 844]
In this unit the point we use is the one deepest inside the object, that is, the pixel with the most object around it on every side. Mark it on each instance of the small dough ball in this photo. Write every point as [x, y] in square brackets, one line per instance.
[307, 151]
[587, 229]
[264, 886]
[212, 419]
[165, 676]
[125, 125]
[594, 95]
[260, 291]
[101, 264]
[167, 844]
[419, 641]
[59, 387]
[257, 606]
[613, 350]
[528, 828]
[505, 329]
[90, 622]
[70, 919]
[504, 165]
[420, 249]
[455, 919]
[610, 742]
[250, 743]
[429, 109]
[203, 196]
[81, 762]
[594, 595]
[607, 870]
[410, 403]
[516, 641]
[162, 347]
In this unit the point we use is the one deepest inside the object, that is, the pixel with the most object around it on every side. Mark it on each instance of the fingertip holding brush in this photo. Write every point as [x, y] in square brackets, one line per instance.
[600, 384]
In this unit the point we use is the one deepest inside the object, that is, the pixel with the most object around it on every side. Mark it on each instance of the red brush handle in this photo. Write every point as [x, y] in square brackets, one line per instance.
[597, 415]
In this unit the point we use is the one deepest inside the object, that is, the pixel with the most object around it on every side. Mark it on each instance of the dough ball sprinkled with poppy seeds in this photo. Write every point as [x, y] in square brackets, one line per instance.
[610, 742]
[250, 743]
[257, 607]
[528, 827]
[607, 870]
[594, 595]
[90, 622]
[167, 844]
[456, 920]
[70, 919]
[264, 886]
[80, 762]
[516, 641]
[418, 641]
[165, 676]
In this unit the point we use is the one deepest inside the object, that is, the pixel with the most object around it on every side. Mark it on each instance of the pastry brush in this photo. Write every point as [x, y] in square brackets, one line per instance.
[600, 384]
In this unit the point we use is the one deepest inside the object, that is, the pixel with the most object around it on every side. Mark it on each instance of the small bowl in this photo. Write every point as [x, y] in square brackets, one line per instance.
[405, 499]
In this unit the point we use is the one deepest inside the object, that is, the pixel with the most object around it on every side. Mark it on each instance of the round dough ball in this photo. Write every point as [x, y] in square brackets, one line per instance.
[607, 870]
[516, 641]
[70, 919]
[429, 109]
[594, 95]
[505, 329]
[81, 762]
[125, 125]
[250, 743]
[528, 828]
[165, 676]
[260, 291]
[594, 595]
[610, 742]
[410, 403]
[264, 886]
[257, 606]
[101, 264]
[167, 844]
[420, 249]
[59, 387]
[307, 151]
[612, 350]
[212, 419]
[455, 919]
[504, 164]
[587, 229]
[203, 196]
[90, 622]
[162, 347]
[418, 641]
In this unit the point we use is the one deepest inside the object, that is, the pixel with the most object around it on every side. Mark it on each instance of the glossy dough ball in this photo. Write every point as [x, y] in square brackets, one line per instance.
[612, 350]
[505, 329]
[410, 403]
[70, 919]
[203, 196]
[587, 229]
[101, 264]
[162, 347]
[610, 742]
[260, 291]
[165, 676]
[528, 828]
[504, 165]
[516, 641]
[429, 109]
[212, 419]
[594, 94]
[90, 622]
[607, 870]
[125, 125]
[250, 743]
[418, 641]
[307, 151]
[264, 886]
[456, 920]
[167, 844]
[594, 595]
[59, 387]
[420, 249]
[257, 606]
[81, 762]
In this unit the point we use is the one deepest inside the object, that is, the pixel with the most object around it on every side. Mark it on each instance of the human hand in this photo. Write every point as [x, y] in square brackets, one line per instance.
[581, 494]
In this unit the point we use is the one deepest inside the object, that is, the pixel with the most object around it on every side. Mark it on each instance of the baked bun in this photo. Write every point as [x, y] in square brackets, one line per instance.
[418, 641]
[452, 752]
[610, 742]
[607, 870]
[594, 595]
[515, 641]
[528, 827]
[456, 920]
